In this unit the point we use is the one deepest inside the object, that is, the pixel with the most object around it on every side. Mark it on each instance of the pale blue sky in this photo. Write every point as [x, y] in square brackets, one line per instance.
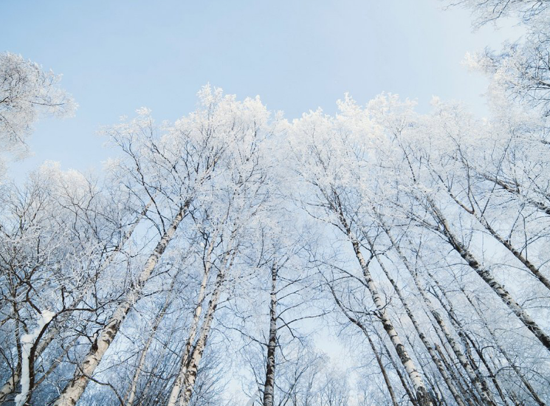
[118, 55]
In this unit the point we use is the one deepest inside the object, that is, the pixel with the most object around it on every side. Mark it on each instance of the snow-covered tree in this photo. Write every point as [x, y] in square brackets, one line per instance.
[27, 92]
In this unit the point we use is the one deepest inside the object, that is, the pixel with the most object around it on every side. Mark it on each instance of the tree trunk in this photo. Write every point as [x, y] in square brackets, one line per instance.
[504, 353]
[156, 323]
[440, 367]
[488, 278]
[11, 384]
[404, 384]
[480, 217]
[506, 243]
[269, 385]
[75, 388]
[198, 349]
[422, 395]
[371, 343]
[473, 372]
[485, 395]
[178, 383]
[53, 332]
[514, 190]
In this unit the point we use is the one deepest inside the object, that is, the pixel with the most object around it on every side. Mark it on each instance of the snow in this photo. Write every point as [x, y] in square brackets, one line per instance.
[27, 342]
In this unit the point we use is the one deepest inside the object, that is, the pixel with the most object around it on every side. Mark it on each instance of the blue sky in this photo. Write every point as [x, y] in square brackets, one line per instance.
[298, 55]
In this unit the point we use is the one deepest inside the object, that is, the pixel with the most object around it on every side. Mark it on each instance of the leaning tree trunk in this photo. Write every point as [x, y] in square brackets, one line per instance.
[504, 353]
[514, 191]
[466, 360]
[469, 395]
[474, 379]
[414, 375]
[467, 340]
[12, 382]
[141, 363]
[508, 245]
[480, 217]
[75, 388]
[180, 378]
[361, 326]
[489, 279]
[404, 384]
[429, 347]
[53, 332]
[198, 349]
[382, 369]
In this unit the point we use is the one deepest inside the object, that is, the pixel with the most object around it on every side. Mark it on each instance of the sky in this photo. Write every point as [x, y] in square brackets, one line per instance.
[298, 55]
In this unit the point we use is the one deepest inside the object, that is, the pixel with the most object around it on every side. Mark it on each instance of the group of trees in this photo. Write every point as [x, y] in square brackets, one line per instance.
[213, 255]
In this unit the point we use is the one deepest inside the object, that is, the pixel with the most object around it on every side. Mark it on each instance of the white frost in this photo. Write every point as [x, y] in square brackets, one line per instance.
[27, 341]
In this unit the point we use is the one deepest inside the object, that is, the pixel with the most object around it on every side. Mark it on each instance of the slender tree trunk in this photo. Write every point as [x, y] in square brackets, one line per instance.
[506, 243]
[486, 396]
[514, 190]
[480, 217]
[488, 278]
[470, 396]
[54, 331]
[11, 384]
[383, 370]
[426, 374]
[75, 388]
[490, 371]
[269, 385]
[415, 377]
[504, 353]
[141, 363]
[397, 370]
[198, 349]
[421, 392]
[371, 343]
[467, 358]
[467, 340]
[56, 362]
[440, 367]
[180, 378]
[153, 382]
[479, 384]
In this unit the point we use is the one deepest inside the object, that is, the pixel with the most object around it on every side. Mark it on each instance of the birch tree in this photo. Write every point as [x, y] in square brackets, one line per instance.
[326, 150]
[173, 172]
[27, 92]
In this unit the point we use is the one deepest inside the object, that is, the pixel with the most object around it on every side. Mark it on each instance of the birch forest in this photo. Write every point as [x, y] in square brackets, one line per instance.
[214, 259]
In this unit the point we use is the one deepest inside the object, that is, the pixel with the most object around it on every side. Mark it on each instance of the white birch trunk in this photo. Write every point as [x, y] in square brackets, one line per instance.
[10, 385]
[416, 379]
[12, 382]
[269, 384]
[440, 367]
[158, 319]
[480, 217]
[488, 278]
[485, 395]
[178, 383]
[74, 390]
[371, 343]
[198, 349]
[504, 353]
[516, 193]
[506, 243]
